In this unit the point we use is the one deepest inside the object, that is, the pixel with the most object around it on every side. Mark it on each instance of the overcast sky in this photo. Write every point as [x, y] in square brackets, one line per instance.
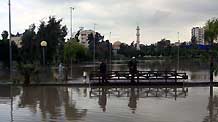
[156, 18]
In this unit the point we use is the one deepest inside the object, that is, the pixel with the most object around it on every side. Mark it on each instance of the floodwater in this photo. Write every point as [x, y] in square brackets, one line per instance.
[126, 104]
[60, 104]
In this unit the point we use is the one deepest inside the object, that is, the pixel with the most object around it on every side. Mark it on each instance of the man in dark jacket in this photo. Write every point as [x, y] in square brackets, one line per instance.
[132, 68]
[103, 71]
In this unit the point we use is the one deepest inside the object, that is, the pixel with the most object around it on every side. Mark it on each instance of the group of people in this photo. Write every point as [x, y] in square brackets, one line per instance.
[132, 65]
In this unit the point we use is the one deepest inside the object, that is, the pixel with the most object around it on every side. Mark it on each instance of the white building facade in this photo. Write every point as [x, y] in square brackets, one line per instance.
[83, 36]
[198, 33]
[17, 40]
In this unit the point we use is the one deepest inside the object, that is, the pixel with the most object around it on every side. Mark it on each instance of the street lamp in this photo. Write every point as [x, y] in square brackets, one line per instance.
[71, 22]
[10, 50]
[94, 47]
[110, 49]
[178, 52]
[43, 45]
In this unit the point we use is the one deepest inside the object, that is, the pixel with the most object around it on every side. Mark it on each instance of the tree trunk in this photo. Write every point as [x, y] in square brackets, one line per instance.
[211, 68]
[27, 79]
[66, 72]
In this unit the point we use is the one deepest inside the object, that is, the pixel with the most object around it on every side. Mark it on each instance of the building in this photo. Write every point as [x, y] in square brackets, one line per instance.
[83, 36]
[198, 35]
[17, 40]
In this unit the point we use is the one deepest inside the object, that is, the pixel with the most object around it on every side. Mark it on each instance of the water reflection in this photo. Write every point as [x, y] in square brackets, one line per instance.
[212, 107]
[53, 102]
[103, 99]
[83, 104]
[6, 93]
[134, 93]
[133, 99]
[194, 68]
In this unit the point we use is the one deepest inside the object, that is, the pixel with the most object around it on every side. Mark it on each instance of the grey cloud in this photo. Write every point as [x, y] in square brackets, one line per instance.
[157, 18]
[194, 6]
[58, 1]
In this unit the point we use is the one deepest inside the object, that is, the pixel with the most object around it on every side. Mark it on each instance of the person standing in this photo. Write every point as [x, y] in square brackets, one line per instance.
[132, 68]
[60, 70]
[103, 71]
[134, 65]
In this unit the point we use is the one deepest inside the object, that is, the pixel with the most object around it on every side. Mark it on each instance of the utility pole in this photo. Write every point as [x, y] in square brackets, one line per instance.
[71, 21]
[178, 52]
[110, 51]
[94, 46]
[11, 97]
[10, 58]
[10, 50]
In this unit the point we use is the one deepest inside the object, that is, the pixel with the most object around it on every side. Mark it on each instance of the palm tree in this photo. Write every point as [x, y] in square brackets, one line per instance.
[211, 31]
[210, 35]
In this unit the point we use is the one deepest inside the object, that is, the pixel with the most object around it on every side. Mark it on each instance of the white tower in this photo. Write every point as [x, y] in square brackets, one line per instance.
[137, 38]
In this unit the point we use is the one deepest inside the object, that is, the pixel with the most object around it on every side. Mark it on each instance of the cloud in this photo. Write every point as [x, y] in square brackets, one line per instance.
[156, 18]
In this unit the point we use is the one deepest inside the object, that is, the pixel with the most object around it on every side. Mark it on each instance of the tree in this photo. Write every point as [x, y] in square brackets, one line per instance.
[73, 51]
[211, 34]
[5, 35]
[30, 50]
[97, 38]
[4, 49]
[103, 49]
[128, 51]
[54, 34]
[211, 30]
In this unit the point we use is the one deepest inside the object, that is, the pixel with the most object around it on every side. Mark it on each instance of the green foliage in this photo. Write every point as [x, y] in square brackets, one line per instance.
[27, 70]
[163, 48]
[128, 51]
[94, 39]
[211, 35]
[211, 30]
[54, 34]
[4, 50]
[5, 35]
[74, 51]
[30, 51]
[103, 49]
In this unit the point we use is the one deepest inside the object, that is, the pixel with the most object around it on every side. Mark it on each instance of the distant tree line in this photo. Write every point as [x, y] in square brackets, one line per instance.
[57, 50]
[164, 48]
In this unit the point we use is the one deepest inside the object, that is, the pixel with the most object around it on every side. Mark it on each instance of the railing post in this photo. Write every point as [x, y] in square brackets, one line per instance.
[99, 77]
[176, 76]
[165, 72]
[137, 76]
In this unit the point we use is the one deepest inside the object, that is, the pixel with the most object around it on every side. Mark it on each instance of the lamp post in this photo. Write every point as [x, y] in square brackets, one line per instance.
[10, 50]
[94, 47]
[178, 52]
[110, 49]
[43, 45]
[71, 21]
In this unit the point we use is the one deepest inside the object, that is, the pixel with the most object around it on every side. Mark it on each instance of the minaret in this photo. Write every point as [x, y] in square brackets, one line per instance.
[137, 38]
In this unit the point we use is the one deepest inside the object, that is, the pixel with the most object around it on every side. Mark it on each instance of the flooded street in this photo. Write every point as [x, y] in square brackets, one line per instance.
[59, 104]
[126, 104]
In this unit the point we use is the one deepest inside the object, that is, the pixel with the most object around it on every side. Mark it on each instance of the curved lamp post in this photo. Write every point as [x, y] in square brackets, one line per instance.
[43, 45]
